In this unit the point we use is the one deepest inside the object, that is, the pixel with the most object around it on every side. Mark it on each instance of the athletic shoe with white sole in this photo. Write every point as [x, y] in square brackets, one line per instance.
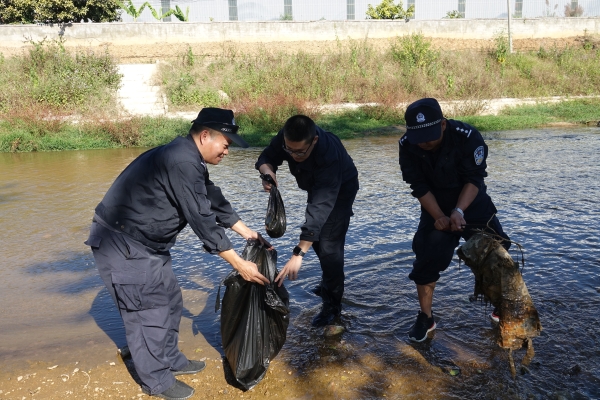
[422, 327]
[495, 316]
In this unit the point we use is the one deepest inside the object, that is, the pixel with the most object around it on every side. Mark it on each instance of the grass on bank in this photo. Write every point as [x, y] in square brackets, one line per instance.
[47, 82]
[358, 72]
[52, 80]
[18, 135]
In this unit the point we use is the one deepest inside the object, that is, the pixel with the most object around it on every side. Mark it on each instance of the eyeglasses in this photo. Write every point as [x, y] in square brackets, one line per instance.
[296, 152]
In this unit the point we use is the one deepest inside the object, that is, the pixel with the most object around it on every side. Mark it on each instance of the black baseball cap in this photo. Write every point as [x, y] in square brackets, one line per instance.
[423, 119]
[220, 120]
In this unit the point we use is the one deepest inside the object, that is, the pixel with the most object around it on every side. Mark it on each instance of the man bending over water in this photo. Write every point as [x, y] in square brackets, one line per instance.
[443, 161]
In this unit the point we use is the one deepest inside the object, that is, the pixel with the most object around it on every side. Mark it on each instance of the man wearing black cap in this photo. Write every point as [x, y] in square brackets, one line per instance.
[136, 224]
[444, 163]
[322, 167]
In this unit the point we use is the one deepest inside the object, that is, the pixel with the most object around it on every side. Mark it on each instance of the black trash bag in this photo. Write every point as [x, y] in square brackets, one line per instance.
[254, 318]
[275, 221]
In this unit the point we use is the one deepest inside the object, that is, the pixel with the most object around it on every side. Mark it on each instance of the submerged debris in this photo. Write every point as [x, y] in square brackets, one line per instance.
[333, 330]
[499, 281]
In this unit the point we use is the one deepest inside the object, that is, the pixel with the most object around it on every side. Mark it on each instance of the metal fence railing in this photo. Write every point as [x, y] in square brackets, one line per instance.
[338, 10]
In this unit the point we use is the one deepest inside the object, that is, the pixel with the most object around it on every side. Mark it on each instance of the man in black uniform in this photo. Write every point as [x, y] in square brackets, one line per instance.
[322, 167]
[136, 224]
[444, 163]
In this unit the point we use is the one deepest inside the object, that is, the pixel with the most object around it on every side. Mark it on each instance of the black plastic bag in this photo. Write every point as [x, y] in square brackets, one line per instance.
[254, 318]
[275, 221]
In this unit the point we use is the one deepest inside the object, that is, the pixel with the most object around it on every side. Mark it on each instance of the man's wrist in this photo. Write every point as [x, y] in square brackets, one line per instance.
[460, 211]
[298, 251]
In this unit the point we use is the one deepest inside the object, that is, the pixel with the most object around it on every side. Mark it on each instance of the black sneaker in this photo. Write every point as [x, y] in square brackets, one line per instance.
[422, 327]
[178, 391]
[325, 317]
[193, 367]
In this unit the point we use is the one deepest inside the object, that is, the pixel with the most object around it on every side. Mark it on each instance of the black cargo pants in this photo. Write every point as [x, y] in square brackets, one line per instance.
[144, 288]
[330, 248]
[434, 249]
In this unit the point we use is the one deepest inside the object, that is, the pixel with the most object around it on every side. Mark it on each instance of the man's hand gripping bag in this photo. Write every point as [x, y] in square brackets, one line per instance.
[254, 318]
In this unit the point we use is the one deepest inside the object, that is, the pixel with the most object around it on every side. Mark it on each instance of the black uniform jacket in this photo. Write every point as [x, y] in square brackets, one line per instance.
[460, 159]
[160, 192]
[328, 175]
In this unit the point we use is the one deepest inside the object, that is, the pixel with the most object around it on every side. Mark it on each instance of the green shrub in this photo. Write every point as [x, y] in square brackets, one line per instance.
[60, 81]
[502, 49]
[58, 78]
[454, 14]
[185, 91]
[388, 10]
[414, 51]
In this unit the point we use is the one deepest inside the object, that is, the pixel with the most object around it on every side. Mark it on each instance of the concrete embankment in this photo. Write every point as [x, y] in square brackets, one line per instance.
[119, 33]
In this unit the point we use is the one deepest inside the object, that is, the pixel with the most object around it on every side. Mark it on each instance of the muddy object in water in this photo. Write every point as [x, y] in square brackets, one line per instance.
[275, 220]
[498, 280]
[333, 330]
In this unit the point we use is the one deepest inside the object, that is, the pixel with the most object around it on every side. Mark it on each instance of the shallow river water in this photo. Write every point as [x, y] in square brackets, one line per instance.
[545, 184]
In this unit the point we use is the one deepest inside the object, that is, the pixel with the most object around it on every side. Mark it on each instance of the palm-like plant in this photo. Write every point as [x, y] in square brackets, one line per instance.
[156, 14]
[130, 8]
[180, 15]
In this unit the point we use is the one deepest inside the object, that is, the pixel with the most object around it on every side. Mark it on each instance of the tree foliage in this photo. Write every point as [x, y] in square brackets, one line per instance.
[58, 11]
[573, 11]
[388, 10]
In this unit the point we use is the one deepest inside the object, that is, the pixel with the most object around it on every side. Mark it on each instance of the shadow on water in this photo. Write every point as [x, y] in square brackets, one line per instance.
[83, 278]
[8, 193]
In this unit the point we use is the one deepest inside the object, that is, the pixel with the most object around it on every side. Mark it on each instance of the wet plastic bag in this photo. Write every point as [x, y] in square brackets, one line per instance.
[254, 318]
[275, 221]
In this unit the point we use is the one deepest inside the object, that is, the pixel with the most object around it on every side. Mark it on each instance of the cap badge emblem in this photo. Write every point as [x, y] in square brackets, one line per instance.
[420, 118]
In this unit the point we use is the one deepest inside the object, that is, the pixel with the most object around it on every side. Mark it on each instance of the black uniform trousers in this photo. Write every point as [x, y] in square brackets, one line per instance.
[144, 288]
[434, 249]
[330, 250]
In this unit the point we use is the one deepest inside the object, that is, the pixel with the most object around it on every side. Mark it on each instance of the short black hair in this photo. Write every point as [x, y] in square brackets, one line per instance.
[197, 128]
[299, 128]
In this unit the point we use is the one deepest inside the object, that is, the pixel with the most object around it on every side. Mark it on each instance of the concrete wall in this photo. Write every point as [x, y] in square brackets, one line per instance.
[177, 32]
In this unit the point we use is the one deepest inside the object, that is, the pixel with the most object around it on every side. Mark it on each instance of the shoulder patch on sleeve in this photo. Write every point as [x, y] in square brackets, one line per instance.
[479, 155]
[403, 140]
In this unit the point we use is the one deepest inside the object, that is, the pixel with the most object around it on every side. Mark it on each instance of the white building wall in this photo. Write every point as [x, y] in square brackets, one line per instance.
[434, 9]
[336, 10]
[331, 10]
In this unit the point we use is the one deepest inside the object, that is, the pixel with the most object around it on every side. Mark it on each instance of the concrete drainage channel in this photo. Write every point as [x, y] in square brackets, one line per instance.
[137, 95]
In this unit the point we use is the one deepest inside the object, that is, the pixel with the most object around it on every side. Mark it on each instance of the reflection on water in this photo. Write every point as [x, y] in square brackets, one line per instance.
[545, 186]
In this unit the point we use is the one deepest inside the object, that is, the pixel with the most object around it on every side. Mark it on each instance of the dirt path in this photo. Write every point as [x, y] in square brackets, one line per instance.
[126, 54]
